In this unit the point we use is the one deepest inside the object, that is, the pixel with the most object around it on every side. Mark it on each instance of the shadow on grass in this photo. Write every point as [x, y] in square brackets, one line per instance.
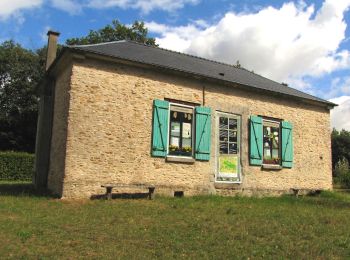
[122, 196]
[21, 189]
[328, 199]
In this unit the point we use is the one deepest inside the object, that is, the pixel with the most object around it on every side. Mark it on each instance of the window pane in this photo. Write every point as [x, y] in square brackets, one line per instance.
[267, 144]
[271, 142]
[187, 117]
[186, 130]
[223, 122]
[233, 136]
[267, 153]
[223, 148]
[233, 124]
[174, 141]
[223, 135]
[232, 148]
[275, 153]
[186, 142]
[175, 129]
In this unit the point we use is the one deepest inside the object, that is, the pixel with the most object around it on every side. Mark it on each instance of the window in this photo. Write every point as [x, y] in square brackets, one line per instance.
[180, 130]
[228, 159]
[228, 135]
[271, 141]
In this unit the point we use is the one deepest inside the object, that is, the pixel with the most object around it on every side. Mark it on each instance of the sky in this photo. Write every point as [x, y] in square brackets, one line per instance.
[305, 44]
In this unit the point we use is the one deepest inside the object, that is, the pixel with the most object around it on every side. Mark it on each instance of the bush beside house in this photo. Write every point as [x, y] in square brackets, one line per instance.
[16, 166]
[342, 173]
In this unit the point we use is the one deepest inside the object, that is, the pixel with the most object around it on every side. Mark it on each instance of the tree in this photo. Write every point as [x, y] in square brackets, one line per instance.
[340, 146]
[20, 72]
[116, 32]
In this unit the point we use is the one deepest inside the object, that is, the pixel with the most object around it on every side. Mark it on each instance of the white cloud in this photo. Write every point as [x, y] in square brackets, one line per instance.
[285, 44]
[145, 6]
[340, 115]
[12, 7]
[43, 34]
[69, 6]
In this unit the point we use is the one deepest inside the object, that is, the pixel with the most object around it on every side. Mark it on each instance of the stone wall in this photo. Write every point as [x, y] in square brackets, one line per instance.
[59, 131]
[110, 125]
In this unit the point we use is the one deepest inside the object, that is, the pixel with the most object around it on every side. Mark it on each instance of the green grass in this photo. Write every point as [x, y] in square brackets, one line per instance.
[33, 226]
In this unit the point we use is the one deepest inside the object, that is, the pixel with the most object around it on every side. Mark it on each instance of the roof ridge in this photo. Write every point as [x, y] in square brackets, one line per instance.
[95, 44]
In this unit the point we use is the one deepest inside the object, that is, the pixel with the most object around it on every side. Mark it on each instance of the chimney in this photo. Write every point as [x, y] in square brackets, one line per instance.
[51, 48]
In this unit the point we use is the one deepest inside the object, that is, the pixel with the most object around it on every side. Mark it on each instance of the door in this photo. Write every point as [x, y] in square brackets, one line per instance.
[228, 148]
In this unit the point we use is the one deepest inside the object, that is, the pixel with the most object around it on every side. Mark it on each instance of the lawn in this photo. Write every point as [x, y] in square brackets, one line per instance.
[37, 226]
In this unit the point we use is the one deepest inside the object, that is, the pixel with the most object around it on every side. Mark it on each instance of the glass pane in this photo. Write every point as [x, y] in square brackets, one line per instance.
[233, 124]
[187, 117]
[223, 135]
[233, 136]
[223, 122]
[186, 130]
[175, 129]
[223, 148]
[232, 148]
[175, 115]
[186, 142]
[267, 153]
[275, 153]
[174, 141]
[274, 137]
[267, 144]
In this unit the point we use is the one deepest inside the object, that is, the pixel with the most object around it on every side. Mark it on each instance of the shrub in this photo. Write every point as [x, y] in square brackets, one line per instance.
[342, 172]
[16, 166]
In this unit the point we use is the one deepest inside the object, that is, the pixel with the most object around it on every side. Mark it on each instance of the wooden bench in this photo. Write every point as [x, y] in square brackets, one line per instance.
[109, 188]
[298, 191]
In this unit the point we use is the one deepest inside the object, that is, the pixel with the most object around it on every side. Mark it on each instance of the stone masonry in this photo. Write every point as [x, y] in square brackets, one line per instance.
[103, 124]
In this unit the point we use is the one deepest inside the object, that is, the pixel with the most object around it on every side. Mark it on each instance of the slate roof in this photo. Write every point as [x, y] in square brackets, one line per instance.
[137, 52]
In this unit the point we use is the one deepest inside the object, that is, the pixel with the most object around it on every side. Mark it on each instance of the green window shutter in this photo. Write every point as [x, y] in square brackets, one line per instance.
[203, 133]
[160, 128]
[256, 141]
[287, 144]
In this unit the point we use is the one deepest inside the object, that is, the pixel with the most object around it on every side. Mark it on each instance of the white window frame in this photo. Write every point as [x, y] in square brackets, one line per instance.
[217, 145]
[192, 129]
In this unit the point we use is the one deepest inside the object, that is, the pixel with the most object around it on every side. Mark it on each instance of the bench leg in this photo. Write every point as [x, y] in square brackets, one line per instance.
[109, 193]
[151, 193]
[296, 192]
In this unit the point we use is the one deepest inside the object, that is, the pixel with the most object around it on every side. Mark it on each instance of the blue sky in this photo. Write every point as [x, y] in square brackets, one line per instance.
[303, 43]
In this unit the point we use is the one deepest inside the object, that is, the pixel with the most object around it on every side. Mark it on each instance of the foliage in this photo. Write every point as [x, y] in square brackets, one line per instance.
[116, 32]
[342, 172]
[340, 146]
[168, 228]
[16, 166]
[20, 72]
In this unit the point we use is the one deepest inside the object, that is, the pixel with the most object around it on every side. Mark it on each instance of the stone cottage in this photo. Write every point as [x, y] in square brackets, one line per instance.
[123, 112]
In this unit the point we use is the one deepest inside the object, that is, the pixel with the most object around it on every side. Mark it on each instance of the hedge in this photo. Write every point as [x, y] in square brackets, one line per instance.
[16, 166]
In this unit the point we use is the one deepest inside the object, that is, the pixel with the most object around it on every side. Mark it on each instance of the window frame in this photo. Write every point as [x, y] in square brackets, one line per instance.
[238, 117]
[277, 122]
[192, 130]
